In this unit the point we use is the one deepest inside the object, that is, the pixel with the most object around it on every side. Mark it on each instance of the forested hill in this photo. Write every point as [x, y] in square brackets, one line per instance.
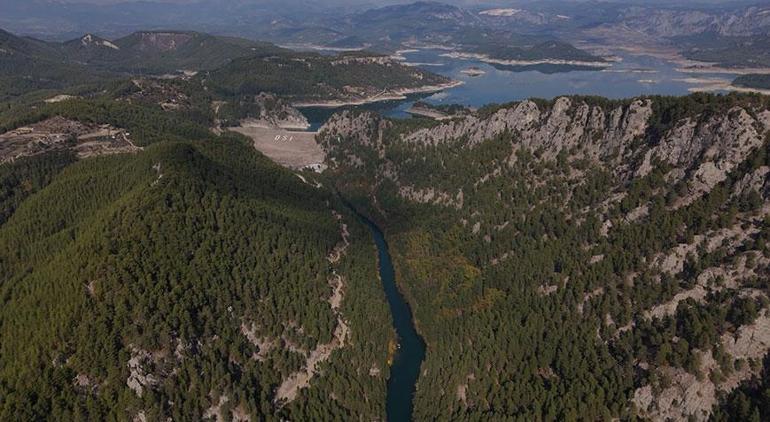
[158, 52]
[188, 278]
[27, 64]
[316, 78]
[577, 259]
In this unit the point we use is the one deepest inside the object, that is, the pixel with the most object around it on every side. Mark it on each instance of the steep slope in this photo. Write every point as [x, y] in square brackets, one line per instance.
[189, 280]
[580, 258]
[672, 22]
[27, 64]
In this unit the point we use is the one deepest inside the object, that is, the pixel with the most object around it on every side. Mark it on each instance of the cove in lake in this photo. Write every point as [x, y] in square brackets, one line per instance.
[632, 76]
[405, 368]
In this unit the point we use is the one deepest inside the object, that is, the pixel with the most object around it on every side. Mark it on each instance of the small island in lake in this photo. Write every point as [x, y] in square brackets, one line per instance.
[438, 112]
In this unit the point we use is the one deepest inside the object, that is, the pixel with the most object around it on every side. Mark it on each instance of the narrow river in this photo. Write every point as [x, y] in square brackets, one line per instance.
[411, 351]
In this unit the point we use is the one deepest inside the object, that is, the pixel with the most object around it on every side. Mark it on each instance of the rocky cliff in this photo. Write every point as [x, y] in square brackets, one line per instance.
[700, 149]
[275, 112]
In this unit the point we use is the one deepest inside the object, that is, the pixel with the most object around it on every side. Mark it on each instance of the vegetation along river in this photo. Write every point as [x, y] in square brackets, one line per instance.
[411, 352]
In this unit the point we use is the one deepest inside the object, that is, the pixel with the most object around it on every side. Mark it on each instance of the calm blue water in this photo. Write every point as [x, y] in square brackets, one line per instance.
[633, 76]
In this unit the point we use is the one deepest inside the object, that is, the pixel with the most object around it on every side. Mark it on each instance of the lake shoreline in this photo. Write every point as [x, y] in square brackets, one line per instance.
[488, 59]
[724, 70]
[387, 95]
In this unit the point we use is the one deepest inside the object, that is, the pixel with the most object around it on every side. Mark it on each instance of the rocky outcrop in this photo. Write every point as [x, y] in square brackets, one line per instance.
[700, 151]
[686, 397]
[708, 151]
[755, 181]
[140, 368]
[689, 397]
[476, 130]
[565, 125]
[276, 113]
[361, 128]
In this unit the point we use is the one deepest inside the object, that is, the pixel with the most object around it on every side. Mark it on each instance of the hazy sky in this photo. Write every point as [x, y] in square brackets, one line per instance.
[385, 2]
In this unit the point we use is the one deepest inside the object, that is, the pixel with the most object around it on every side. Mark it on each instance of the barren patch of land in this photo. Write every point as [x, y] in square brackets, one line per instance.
[296, 150]
[58, 133]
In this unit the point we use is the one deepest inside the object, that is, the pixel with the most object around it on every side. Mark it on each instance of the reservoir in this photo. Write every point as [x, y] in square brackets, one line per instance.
[631, 75]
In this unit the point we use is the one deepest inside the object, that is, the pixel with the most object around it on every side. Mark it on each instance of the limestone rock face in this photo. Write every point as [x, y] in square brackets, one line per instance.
[755, 181]
[566, 124]
[363, 128]
[275, 112]
[140, 367]
[700, 151]
[613, 135]
[710, 150]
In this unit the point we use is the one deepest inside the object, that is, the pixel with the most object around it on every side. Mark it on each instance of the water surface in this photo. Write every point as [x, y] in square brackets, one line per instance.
[405, 368]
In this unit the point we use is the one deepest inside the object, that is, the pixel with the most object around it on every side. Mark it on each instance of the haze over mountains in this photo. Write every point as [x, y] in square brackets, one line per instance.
[726, 31]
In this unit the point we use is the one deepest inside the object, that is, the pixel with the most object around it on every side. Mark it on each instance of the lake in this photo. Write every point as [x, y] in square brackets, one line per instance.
[633, 75]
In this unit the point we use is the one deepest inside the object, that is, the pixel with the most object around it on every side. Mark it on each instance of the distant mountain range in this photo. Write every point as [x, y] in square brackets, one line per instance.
[733, 33]
[728, 35]
[383, 29]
